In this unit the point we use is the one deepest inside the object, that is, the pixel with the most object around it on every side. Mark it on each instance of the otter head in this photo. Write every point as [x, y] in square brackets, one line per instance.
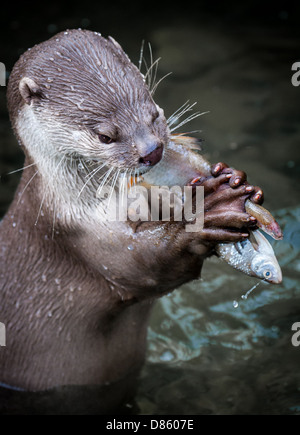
[78, 95]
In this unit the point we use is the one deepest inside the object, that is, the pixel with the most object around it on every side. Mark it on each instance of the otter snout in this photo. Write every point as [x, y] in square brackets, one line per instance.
[153, 157]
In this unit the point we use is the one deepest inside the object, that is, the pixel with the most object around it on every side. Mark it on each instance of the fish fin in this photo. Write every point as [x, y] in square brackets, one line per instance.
[254, 241]
[261, 243]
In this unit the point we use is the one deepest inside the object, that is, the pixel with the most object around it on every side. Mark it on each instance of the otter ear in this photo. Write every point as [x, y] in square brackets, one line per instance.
[29, 90]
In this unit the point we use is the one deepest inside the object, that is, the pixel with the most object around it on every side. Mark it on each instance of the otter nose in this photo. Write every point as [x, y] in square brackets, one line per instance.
[154, 157]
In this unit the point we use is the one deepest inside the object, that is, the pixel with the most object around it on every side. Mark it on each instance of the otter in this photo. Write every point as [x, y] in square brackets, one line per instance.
[75, 299]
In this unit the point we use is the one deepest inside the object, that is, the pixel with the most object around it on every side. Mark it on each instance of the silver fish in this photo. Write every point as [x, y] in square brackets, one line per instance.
[254, 257]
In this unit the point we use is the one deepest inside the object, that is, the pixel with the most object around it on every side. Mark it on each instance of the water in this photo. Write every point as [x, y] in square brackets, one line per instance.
[228, 360]
[245, 296]
[205, 356]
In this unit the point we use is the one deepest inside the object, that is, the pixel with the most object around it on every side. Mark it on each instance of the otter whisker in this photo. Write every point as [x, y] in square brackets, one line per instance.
[22, 169]
[45, 193]
[94, 170]
[187, 133]
[149, 74]
[103, 183]
[186, 107]
[123, 185]
[141, 55]
[53, 220]
[153, 90]
[188, 119]
[154, 75]
[114, 181]
[149, 70]
[23, 191]
[90, 176]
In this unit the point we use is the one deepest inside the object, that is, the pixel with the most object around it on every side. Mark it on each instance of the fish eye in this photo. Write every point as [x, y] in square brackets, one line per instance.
[267, 274]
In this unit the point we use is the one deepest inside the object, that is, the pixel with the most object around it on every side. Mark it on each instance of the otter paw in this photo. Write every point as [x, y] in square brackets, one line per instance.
[236, 179]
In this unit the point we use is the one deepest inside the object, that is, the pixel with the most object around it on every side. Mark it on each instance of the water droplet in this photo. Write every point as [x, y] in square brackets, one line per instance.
[130, 248]
[167, 356]
[14, 224]
[57, 281]
[50, 314]
[245, 296]
[44, 278]
[235, 304]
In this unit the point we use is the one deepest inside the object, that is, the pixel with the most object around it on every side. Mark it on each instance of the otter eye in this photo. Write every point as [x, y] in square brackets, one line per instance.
[105, 139]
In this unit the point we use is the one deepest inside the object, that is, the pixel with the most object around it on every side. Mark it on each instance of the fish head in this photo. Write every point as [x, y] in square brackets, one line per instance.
[267, 269]
[264, 264]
